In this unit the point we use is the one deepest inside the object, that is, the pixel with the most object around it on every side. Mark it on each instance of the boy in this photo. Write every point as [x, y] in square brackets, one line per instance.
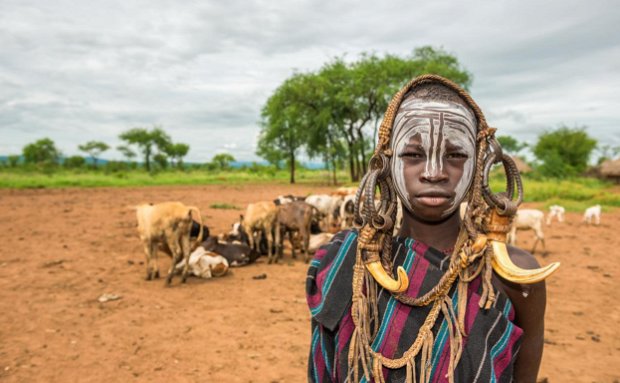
[446, 316]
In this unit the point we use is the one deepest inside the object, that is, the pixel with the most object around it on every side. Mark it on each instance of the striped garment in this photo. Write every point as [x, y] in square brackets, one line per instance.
[489, 349]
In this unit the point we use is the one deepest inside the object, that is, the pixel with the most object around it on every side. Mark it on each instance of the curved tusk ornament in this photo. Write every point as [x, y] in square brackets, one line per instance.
[401, 284]
[504, 267]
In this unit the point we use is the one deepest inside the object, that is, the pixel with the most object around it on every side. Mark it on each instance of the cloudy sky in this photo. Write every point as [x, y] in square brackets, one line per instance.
[76, 71]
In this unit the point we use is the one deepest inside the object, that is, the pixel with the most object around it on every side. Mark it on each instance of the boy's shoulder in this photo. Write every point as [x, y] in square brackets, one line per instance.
[329, 278]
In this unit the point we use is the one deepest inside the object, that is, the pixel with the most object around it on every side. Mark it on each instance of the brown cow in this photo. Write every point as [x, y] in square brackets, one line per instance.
[170, 224]
[292, 217]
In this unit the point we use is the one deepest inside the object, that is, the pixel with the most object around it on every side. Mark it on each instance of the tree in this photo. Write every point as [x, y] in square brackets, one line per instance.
[126, 152]
[13, 160]
[223, 160]
[284, 124]
[43, 152]
[94, 149]
[176, 152]
[510, 145]
[330, 113]
[161, 160]
[74, 162]
[147, 140]
[564, 152]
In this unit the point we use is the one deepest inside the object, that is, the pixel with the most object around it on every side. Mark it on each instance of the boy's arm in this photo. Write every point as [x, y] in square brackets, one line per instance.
[529, 302]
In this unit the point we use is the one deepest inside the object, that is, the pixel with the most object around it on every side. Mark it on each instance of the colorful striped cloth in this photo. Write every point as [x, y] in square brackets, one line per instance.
[489, 349]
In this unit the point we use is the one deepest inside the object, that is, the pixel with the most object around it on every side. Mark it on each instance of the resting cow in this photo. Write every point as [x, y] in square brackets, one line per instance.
[193, 234]
[169, 224]
[237, 254]
[205, 264]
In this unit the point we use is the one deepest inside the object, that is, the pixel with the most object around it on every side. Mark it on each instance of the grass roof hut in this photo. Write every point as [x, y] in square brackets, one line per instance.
[610, 170]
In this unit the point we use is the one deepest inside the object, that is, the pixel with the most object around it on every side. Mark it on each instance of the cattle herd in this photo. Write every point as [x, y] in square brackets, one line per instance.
[306, 222]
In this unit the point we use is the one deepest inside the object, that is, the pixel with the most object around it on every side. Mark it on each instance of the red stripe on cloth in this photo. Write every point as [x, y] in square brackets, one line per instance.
[503, 360]
[473, 305]
[343, 338]
[319, 362]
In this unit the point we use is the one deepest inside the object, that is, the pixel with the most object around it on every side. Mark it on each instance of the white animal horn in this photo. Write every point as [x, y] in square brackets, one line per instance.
[399, 285]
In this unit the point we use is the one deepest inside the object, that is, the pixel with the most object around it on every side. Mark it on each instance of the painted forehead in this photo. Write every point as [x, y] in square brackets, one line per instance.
[425, 117]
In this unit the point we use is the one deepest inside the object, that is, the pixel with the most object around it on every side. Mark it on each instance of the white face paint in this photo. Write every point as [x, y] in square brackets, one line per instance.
[436, 123]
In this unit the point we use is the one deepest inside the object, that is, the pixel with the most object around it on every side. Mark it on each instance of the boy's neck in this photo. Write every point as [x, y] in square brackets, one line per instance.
[440, 235]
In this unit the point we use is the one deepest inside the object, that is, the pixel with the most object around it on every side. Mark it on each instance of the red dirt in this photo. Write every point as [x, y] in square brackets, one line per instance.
[62, 249]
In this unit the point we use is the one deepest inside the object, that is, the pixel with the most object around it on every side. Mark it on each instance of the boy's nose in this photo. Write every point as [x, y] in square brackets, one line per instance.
[434, 174]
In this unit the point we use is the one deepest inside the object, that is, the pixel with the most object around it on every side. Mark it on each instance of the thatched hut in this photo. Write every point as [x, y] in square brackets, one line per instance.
[522, 166]
[610, 170]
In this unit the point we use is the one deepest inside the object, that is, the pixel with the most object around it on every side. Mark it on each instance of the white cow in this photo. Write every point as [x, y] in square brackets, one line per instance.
[555, 211]
[592, 213]
[328, 206]
[205, 264]
[528, 219]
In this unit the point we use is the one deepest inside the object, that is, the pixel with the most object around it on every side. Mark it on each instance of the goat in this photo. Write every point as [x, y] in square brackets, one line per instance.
[555, 211]
[593, 212]
[528, 219]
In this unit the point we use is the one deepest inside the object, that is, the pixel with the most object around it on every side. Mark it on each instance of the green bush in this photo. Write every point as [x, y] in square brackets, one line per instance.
[74, 162]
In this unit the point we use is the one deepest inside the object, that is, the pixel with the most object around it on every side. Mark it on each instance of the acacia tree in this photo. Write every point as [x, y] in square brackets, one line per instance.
[284, 125]
[176, 152]
[94, 149]
[126, 152]
[331, 113]
[223, 160]
[147, 141]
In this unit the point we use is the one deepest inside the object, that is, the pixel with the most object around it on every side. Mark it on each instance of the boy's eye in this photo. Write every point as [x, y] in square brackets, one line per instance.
[412, 155]
[457, 155]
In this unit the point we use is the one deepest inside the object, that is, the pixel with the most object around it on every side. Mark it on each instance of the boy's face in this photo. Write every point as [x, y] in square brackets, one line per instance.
[434, 145]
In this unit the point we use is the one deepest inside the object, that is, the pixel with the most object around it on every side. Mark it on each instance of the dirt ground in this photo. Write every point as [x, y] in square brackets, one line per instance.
[62, 249]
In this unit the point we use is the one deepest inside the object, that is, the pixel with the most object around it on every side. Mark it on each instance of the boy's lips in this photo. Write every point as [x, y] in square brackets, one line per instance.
[433, 198]
[432, 201]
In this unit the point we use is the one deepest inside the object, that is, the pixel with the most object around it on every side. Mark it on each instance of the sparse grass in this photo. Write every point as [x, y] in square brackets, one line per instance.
[223, 205]
[19, 179]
